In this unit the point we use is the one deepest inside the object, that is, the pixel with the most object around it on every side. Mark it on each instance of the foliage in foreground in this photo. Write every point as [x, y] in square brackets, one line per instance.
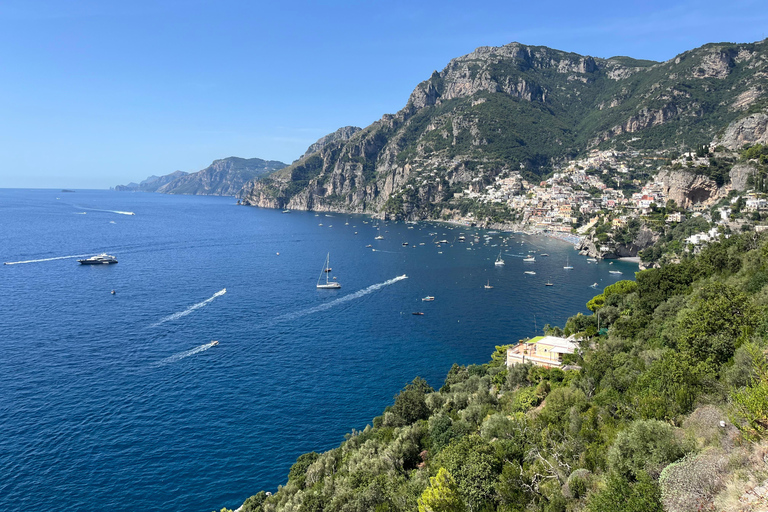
[638, 427]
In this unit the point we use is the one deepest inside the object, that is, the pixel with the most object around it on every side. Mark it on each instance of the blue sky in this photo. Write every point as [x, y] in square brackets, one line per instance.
[97, 93]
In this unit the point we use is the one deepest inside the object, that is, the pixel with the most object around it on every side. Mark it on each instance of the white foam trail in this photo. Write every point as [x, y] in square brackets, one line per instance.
[108, 211]
[341, 300]
[47, 259]
[190, 309]
[186, 353]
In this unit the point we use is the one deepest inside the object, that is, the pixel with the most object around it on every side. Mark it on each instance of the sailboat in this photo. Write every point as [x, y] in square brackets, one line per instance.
[549, 283]
[488, 286]
[567, 264]
[499, 262]
[328, 285]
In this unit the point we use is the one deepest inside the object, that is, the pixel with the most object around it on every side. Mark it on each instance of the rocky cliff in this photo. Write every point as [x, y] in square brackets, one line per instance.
[611, 249]
[225, 177]
[524, 108]
[342, 134]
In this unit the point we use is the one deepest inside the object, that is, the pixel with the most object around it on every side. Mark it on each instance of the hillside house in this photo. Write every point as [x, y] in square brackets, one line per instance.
[546, 351]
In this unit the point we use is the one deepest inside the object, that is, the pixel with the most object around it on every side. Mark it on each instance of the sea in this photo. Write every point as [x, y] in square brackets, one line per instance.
[123, 402]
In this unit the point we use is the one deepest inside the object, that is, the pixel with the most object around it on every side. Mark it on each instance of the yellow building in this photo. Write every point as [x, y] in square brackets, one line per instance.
[546, 351]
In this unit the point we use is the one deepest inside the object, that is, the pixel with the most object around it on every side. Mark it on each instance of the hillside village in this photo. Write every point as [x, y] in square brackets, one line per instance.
[607, 191]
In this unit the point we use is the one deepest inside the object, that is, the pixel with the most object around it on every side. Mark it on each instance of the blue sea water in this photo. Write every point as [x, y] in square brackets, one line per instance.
[120, 402]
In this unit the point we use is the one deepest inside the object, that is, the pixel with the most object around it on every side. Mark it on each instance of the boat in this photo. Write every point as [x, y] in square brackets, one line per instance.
[405, 244]
[214, 343]
[328, 285]
[113, 292]
[369, 245]
[101, 259]
[593, 285]
[418, 313]
[530, 272]
[543, 254]
[615, 272]
[549, 283]
[499, 261]
[402, 277]
[530, 258]
[428, 298]
[592, 260]
[286, 211]
[488, 285]
[378, 237]
[567, 264]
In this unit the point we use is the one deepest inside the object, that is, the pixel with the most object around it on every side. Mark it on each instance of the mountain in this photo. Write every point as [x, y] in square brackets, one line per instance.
[225, 177]
[519, 108]
[151, 184]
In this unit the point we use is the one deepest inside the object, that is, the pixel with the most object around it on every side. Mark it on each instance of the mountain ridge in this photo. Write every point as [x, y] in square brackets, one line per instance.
[521, 108]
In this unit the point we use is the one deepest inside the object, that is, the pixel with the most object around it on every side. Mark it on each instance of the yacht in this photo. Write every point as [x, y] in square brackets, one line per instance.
[428, 298]
[610, 271]
[549, 283]
[488, 285]
[530, 258]
[499, 261]
[101, 259]
[567, 264]
[328, 285]
[530, 272]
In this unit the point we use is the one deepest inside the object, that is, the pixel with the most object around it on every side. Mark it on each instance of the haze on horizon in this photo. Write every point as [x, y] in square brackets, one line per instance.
[95, 94]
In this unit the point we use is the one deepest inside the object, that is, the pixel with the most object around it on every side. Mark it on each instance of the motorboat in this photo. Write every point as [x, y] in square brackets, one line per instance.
[530, 258]
[418, 313]
[100, 259]
[530, 272]
[214, 343]
[428, 298]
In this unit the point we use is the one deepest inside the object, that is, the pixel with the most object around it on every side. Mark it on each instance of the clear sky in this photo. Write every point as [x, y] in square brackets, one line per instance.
[96, 93]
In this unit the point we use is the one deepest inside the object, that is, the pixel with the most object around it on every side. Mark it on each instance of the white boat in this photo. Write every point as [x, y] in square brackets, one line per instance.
[530, 272]
[593, 285]
[328, 285]
[214, 343]
[428, 298]
[549, 283]
[567, 264]
[101, 259]
[614, 272]
[592, 260]
[488, 286]
[530, 258]
[499, 261]
[378, 237]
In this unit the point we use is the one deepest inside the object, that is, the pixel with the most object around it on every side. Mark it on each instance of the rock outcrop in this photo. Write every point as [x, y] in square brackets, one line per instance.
[752, 129]
[151, 184]
[688, 189]
[342, 134]
[612, 250]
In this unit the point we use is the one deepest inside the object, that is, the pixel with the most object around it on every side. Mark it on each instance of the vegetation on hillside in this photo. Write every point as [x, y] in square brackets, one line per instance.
[666, 410]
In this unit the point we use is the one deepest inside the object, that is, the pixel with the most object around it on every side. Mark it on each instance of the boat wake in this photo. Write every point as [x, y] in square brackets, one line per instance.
[106, 211]
[190, 309]
[336, 302]
[186, 353]
[47, 259]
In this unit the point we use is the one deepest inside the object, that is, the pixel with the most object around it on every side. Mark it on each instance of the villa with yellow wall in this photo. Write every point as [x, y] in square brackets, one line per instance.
[546, 351]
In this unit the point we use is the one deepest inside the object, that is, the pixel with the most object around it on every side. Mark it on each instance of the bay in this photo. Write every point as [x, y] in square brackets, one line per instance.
[121, 401]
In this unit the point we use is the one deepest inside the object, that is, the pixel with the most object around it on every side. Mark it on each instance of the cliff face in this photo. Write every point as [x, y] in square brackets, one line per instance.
[342, 134]
[611, 250]
[688, 189]
[524, 108]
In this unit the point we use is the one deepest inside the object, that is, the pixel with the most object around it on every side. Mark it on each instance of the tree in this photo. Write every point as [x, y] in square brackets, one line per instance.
[644, 448]
[410, 404]
[619, 495]
[475, 465]
[442, 495]
[750, 404]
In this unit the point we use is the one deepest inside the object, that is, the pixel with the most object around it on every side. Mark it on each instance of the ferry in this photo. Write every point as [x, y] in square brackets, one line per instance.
[101, 259]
